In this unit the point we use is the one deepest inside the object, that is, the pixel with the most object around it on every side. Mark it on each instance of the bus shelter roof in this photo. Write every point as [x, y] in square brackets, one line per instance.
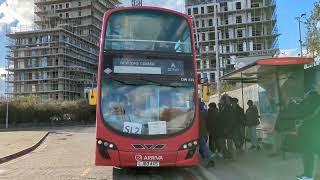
[249, 73]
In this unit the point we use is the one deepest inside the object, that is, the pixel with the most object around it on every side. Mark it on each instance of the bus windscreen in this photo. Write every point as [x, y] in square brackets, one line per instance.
[147, 109]
[148, 30]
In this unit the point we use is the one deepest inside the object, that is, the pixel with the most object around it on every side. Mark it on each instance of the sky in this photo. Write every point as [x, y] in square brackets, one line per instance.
[20, 13]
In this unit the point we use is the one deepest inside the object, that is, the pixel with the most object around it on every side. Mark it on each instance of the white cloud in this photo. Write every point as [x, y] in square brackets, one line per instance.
[16, 11]
[292, 53]
[2, 72]
[289, 53]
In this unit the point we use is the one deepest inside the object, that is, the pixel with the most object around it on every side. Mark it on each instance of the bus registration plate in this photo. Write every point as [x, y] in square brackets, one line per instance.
[148, 163]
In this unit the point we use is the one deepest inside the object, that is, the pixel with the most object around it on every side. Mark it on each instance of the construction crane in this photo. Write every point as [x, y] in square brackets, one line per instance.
[136, 2]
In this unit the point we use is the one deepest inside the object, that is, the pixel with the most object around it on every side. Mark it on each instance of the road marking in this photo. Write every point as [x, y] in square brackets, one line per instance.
[86, 172]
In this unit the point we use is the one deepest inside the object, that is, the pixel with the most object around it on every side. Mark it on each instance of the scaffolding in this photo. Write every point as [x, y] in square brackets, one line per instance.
[57, 56]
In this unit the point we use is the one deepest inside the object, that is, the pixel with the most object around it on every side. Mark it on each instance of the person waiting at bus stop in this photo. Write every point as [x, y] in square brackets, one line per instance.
[252, 121]
[308, 133]
[212, 127]
[238, 124]
[206, 153]
[226, 118]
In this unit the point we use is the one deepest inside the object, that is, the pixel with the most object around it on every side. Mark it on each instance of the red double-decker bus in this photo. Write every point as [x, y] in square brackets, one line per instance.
[147, 90]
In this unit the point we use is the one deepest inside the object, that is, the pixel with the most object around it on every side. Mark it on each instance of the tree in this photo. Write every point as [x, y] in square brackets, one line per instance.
[313, 28]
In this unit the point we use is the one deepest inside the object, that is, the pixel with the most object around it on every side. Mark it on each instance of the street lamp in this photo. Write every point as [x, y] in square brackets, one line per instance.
[217, 49]
[299, 22]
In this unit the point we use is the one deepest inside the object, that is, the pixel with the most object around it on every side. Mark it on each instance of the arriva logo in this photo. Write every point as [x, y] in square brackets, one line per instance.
[152, 158]
[148, 158]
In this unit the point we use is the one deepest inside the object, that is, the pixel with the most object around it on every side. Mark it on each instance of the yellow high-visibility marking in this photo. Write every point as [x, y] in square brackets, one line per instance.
[93, 96]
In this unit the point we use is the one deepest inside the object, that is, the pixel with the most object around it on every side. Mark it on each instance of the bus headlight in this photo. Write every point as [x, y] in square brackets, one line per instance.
[191, 146]
[103, 147]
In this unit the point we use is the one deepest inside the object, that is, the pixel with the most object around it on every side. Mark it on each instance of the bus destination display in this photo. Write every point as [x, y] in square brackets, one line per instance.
[148, 66]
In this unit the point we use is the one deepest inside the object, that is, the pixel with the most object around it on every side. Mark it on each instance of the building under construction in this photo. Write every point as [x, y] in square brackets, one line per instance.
[246, 30]
[58, 56]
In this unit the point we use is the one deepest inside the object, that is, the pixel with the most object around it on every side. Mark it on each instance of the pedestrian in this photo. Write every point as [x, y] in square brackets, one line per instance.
[308, 133]
[285, 122]
[207, 154]
[238, 121]
[227, 123]
[211, 126]
[252, 121]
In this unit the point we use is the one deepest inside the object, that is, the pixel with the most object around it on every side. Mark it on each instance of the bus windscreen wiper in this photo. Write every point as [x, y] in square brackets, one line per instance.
[110, 77]
[156, 82]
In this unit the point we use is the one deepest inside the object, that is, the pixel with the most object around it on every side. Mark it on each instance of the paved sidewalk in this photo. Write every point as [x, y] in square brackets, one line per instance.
[16, 141]
[253, 165]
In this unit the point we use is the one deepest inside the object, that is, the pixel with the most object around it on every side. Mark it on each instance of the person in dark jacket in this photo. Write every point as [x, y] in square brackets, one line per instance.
[212, 127]
[238, 121]
[203, 146]
[309, 133]
[252, 121]
[227, 125]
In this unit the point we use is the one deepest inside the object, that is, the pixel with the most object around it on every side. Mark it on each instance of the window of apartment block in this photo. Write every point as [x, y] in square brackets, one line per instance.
[189, 11]
[238, 5]
[60, 6]
[211, 36]
[79, 3]
[210, 22]
[56, 6]
[254, 4]
[197, 23]
[202, 10]
[203, 24]
[203, 37]
[240, 47]
[79, 13]
[67, 5]
[257, 46]
[212, 76]
[227, 49]
[226, 21]
[21, 76]
[198, 64]
[195, 11]
[255, 18]
[225, 6]
[227, 35]
[67, 15]
[239, 33]
[210, 9]
[256, 32]
[60, 15]
[52, 7]
[239, 19]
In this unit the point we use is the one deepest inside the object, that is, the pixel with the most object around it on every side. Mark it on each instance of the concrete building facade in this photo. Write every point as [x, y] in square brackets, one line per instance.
[58, 55]
[246, 28]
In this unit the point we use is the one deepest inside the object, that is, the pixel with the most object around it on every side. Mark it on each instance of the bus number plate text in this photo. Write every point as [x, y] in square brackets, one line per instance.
[148, 163]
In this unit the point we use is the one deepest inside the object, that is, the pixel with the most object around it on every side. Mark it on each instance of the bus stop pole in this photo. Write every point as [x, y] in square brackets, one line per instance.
[245, 130]
[7, 98]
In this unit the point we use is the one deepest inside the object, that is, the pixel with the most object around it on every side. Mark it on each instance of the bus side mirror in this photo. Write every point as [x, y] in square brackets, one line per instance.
[93, 96]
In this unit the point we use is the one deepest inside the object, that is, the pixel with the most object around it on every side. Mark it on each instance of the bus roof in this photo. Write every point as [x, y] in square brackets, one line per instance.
[146, 8]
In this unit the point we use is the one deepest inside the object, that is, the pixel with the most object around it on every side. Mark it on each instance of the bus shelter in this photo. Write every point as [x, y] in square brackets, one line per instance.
[279, 81]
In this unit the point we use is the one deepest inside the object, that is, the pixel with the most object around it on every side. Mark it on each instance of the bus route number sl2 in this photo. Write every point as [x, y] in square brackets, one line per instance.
[148, 161]
[132, 128]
